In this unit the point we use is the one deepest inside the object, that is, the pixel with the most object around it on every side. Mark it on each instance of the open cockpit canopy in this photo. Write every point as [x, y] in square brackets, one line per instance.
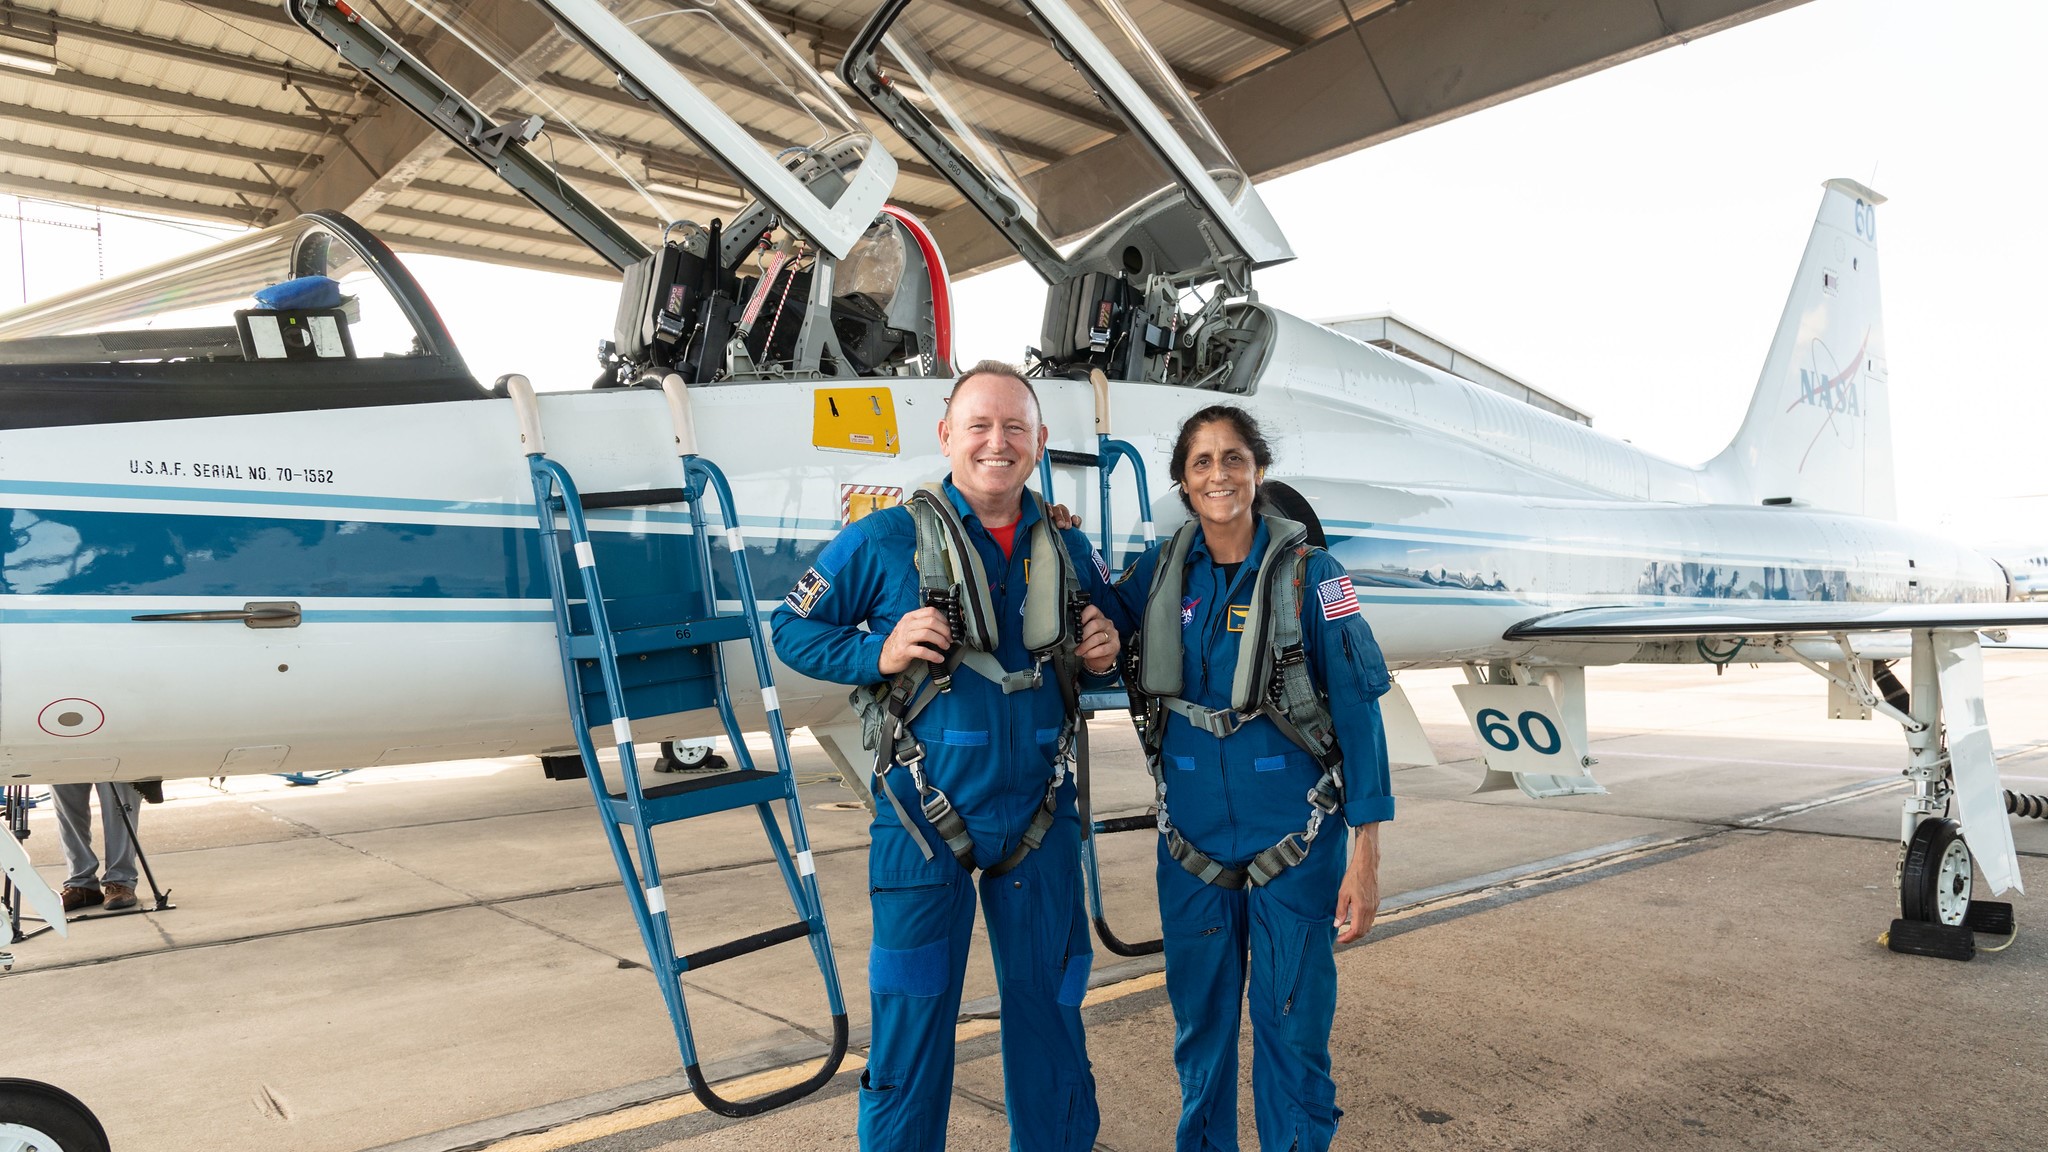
[195, 308]
[545, 94]
[1148, 186]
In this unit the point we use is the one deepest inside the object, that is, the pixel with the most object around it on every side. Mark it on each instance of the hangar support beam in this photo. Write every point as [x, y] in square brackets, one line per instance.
[85, 31]
[1402, 69]
[279, 158]
[67, 192]
[1238, 20]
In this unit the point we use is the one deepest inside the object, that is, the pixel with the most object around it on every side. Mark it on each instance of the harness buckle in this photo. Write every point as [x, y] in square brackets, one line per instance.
[1293, 848]
[1324, 796]
[936, 806]
[1226, 721]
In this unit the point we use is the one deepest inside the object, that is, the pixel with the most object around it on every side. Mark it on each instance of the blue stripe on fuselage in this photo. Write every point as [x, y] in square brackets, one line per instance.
[69, 552]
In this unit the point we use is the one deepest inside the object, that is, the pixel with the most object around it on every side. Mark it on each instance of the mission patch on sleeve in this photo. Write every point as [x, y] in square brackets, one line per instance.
[808, 591]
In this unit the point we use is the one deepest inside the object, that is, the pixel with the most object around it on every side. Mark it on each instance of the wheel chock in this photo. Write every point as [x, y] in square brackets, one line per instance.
[1991, 917]
[1941, 941]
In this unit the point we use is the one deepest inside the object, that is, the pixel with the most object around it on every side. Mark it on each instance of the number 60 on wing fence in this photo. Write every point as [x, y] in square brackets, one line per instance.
[1520, 729]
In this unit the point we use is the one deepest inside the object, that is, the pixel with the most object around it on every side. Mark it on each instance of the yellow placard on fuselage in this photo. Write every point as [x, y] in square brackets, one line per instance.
[854, 420]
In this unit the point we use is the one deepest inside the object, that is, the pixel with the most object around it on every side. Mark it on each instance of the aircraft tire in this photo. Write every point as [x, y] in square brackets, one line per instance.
[1287, 502]
[36, 1115]
[1936, 877]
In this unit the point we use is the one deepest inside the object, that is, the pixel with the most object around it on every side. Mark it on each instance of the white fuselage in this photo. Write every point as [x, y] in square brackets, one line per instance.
[407, 537]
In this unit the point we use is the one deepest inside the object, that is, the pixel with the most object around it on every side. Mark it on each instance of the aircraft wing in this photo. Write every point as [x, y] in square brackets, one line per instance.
[1773, 618]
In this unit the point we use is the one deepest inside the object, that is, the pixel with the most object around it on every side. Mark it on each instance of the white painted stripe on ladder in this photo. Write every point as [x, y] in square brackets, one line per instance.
[770, 702]
[1151, 536]
[656, 902]
[622, 732]
[586, 556]
[804, 864]
[734, 540]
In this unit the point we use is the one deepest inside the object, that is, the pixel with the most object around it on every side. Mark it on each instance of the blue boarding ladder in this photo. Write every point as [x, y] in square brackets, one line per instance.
[661, 657]
[1109, 451]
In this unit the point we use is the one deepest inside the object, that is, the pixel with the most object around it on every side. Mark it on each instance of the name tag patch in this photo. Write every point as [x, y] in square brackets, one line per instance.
[1239, 613]
[808, 591]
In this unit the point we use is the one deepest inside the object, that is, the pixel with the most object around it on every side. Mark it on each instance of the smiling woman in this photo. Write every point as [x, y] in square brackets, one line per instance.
[1251, 692]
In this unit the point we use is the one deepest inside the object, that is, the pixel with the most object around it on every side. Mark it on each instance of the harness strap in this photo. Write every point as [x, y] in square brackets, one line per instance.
[947, 561]
[990, 669]
[1272, 680]
[1217, 722]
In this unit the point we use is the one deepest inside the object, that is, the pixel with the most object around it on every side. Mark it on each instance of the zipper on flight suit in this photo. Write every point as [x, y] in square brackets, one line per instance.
[1221, 620]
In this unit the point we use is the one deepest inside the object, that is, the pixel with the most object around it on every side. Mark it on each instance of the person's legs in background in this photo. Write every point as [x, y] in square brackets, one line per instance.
[74, 828]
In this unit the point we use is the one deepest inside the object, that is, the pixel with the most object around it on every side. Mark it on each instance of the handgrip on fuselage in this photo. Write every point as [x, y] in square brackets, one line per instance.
[527, 408]
[680, 417]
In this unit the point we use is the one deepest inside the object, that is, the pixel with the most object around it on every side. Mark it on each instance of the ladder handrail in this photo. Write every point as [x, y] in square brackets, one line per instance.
[1110, 449]
[649, 905]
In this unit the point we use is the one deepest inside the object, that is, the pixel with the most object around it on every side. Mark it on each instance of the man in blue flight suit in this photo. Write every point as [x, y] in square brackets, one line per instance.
[855, 618]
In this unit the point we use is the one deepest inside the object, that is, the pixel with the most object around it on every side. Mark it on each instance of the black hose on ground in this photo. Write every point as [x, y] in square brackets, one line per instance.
[2021, 804]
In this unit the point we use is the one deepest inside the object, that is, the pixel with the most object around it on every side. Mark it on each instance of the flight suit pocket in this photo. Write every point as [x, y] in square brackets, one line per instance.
[911, 948]
[1294, 952]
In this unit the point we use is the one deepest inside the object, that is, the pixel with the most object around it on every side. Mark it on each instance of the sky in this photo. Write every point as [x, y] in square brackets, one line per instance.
[1624, 241]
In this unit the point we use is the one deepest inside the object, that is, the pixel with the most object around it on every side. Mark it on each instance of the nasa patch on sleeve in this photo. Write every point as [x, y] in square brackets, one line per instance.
[808, 591]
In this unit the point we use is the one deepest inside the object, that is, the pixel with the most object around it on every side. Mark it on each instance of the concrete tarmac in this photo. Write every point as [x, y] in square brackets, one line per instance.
[435, 958]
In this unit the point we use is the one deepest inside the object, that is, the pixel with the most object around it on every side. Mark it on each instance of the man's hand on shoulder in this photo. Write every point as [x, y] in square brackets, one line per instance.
[1099, 642]
[1062, 517]
[920, 635]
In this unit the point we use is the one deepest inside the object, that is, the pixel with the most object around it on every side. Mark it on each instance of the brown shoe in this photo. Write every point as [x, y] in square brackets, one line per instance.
[120, 896]
[76, 897]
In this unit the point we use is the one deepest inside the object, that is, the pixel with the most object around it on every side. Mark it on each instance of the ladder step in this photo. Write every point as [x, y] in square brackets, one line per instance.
[1145, 823]
[700, 797]
[659, 637]
[743, 945]
[1074, 459]
[635, 498]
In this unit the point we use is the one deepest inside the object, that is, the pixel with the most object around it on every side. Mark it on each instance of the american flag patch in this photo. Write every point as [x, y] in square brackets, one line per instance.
[1337, 598]
[1101, 567]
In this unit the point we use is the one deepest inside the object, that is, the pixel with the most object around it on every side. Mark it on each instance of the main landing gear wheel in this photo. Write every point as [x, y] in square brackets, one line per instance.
[680, 757]
[35, 1117]
[1934, 883]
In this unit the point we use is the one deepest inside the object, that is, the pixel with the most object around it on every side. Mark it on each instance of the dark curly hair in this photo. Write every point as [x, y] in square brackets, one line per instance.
[1247, 430]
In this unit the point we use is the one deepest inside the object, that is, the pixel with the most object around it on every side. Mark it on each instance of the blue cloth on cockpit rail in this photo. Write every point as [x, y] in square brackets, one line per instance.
[304, 292]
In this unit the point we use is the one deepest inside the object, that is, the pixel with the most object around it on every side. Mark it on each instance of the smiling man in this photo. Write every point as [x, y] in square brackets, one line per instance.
[975, 733]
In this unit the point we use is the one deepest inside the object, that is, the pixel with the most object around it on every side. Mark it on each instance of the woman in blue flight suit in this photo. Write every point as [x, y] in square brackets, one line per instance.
[1235, 796]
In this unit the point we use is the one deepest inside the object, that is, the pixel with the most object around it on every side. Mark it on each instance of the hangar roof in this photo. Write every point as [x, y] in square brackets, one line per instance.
[227, 111]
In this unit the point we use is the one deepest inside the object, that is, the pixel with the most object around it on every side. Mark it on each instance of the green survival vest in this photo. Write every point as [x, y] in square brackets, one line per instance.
[948, 562]
[1272, 680]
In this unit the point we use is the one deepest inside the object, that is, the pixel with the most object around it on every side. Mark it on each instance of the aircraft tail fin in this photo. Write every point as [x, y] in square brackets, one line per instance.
[1818, 433]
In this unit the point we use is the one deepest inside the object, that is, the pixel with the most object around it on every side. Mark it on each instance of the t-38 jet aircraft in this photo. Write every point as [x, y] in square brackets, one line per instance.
[297, 535]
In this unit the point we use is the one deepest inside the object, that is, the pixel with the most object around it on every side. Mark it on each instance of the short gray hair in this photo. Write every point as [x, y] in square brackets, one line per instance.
[997, 368]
